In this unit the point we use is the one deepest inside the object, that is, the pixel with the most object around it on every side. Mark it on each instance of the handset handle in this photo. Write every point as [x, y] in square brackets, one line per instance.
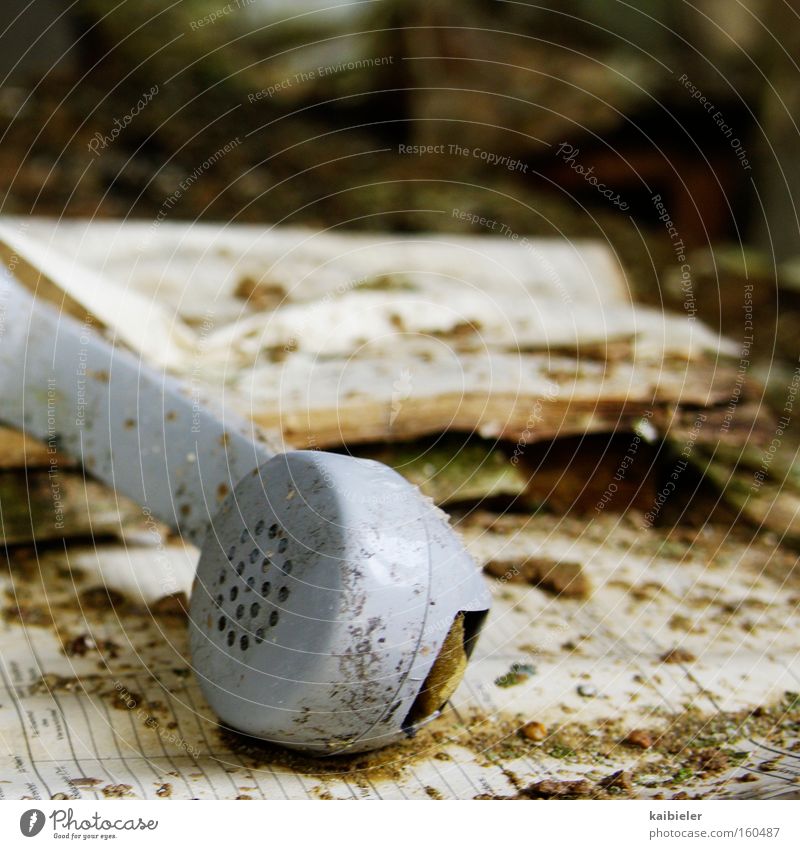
[139, 430]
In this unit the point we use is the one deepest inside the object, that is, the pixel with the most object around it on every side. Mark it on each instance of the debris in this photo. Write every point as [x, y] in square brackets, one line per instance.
[117, 791]
[550, 789]
[677, 655]
[619, 780]
[535, 731]
[28, 615]
[517, 673]
[102, 598]
[81, 645]
[712, 761]
[171, 605]
[558, 577]
[453, 469]
[83, 781]
[639, 738]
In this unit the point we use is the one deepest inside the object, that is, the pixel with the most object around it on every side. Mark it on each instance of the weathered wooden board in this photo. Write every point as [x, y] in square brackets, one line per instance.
[332, 339]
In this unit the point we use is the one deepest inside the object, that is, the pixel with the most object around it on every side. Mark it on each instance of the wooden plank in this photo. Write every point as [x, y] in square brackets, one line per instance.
[516, 398]
[331, 338]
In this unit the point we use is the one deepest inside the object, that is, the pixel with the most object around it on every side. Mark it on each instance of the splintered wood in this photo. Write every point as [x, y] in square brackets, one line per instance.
[330, 339]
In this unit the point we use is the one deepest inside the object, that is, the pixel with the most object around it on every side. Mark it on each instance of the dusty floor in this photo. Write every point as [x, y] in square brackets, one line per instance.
[676, 675]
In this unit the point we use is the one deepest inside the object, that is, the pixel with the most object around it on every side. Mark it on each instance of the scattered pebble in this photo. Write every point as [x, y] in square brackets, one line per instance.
[619, 780]
[639, 738]
[552, 789]
[83, 781]
[517, 673]
[558, 577]
[535, 731]
[116, 791]
[81, 645]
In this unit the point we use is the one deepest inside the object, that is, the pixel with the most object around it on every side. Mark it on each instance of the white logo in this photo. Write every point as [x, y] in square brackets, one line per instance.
[31, 822]
[401, 390]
